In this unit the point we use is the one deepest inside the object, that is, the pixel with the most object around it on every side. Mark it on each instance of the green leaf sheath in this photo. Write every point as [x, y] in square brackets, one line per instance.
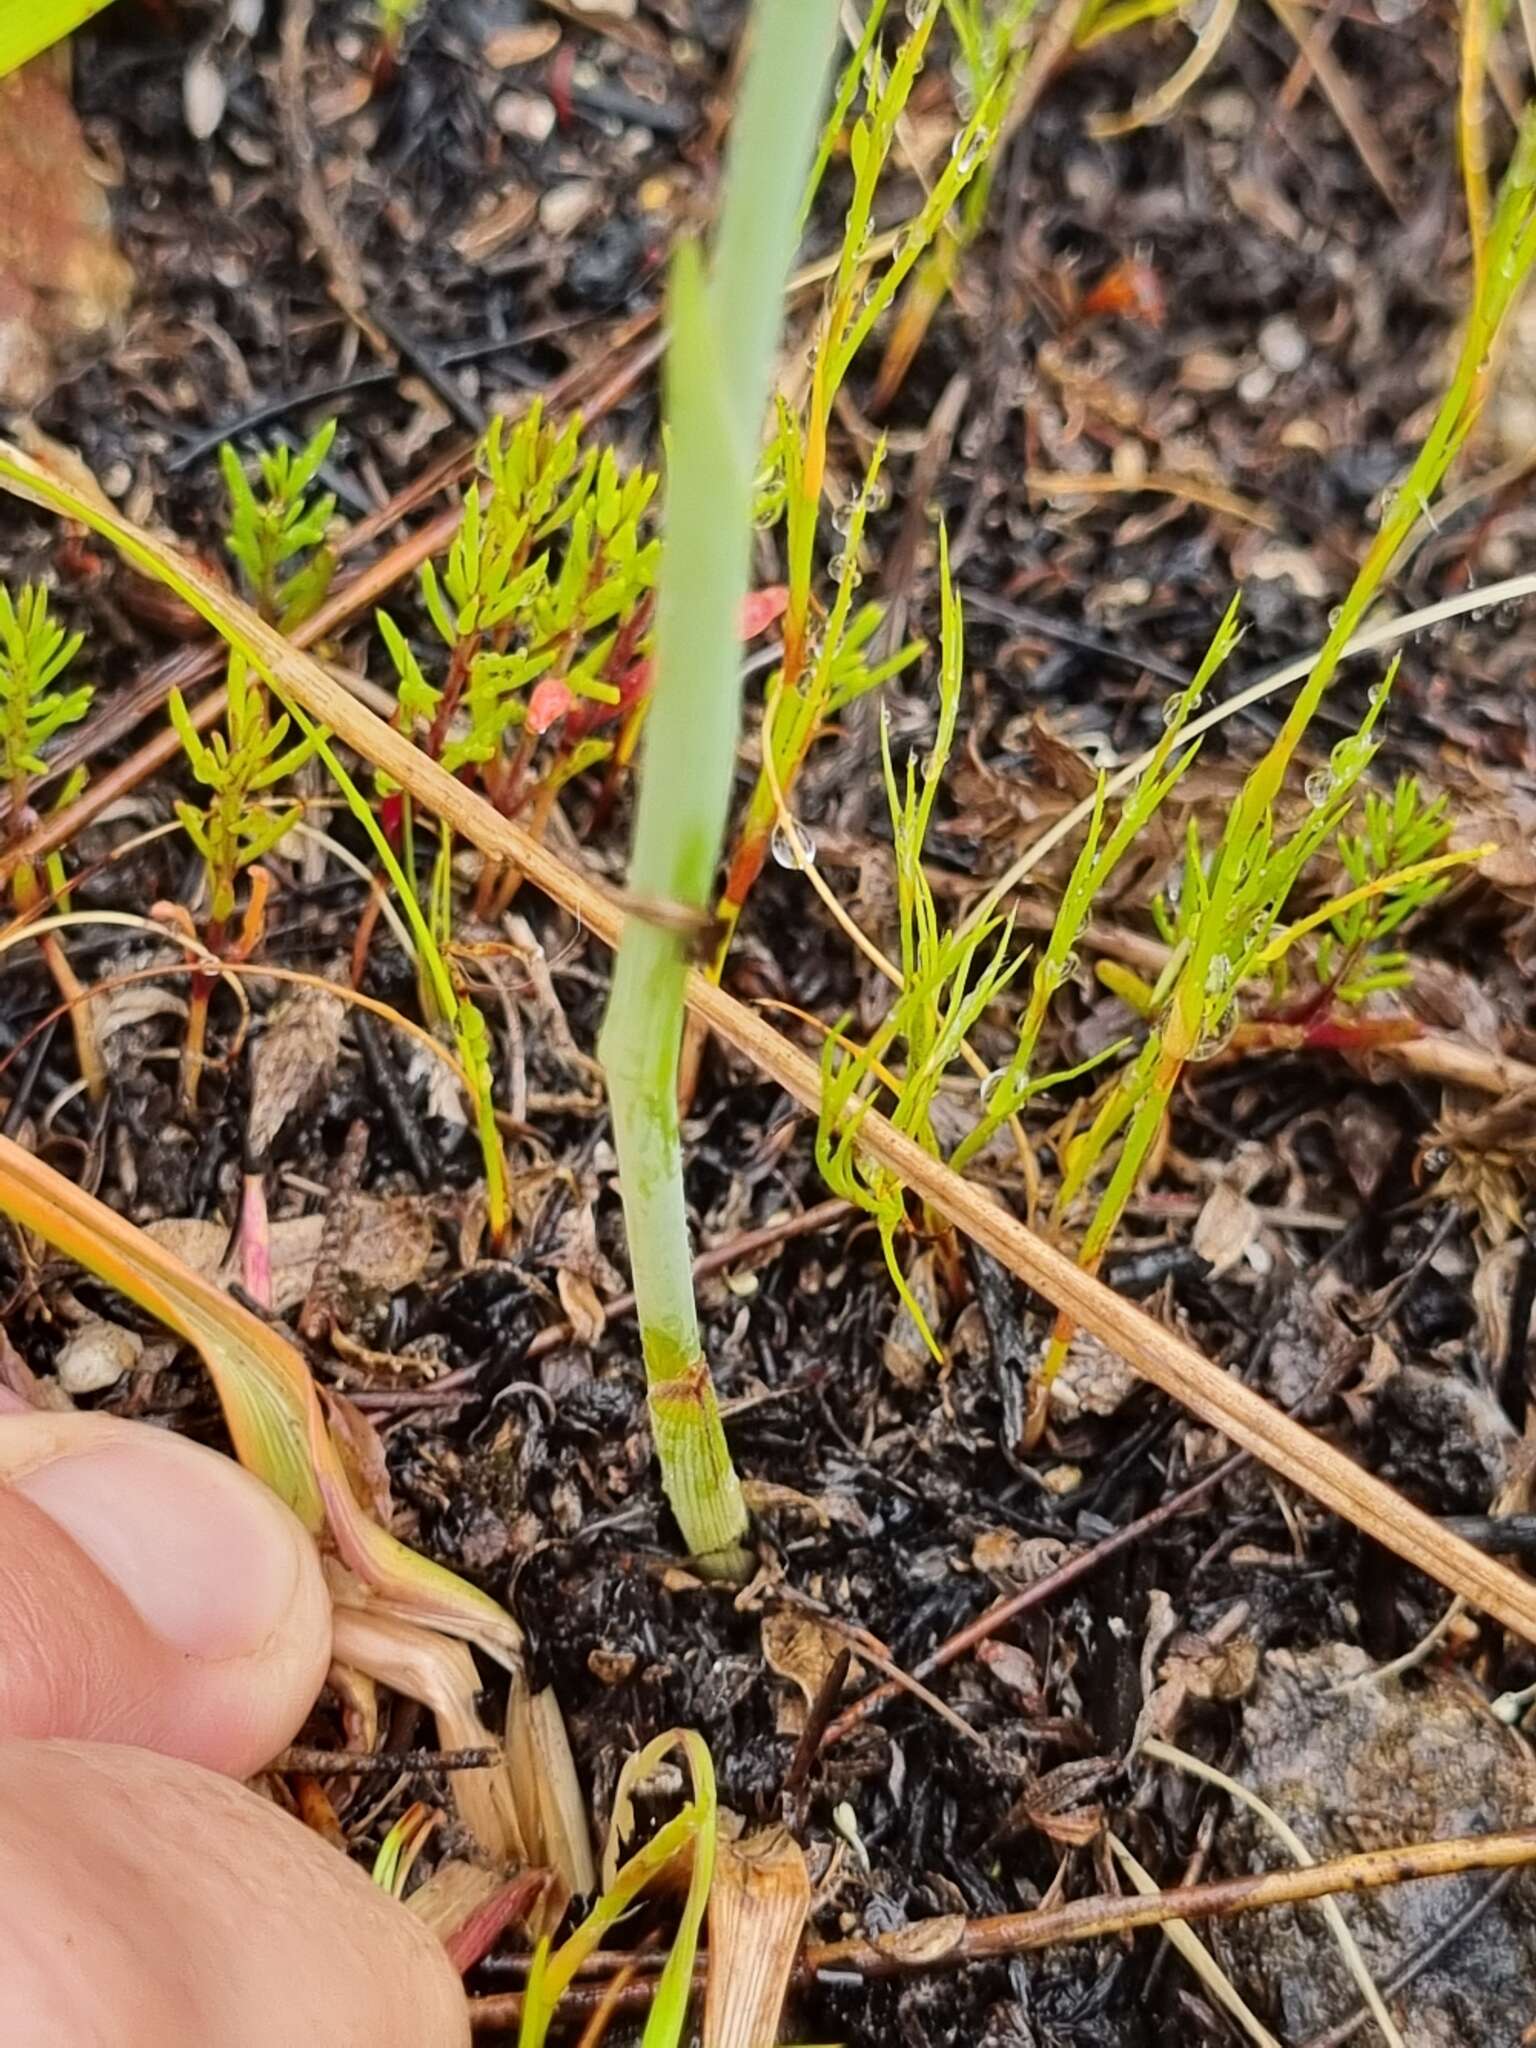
[724, 332]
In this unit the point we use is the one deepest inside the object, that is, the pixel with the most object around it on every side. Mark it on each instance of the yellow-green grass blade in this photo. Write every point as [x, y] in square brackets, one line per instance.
[28, 26]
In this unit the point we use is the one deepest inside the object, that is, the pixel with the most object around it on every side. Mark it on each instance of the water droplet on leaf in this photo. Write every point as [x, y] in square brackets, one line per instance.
[785, 852]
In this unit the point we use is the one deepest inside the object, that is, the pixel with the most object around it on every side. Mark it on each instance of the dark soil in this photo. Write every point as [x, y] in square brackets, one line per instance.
[1306, 331]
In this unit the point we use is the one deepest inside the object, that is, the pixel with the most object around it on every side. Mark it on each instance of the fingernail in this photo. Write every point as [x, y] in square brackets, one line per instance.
[197, 1545]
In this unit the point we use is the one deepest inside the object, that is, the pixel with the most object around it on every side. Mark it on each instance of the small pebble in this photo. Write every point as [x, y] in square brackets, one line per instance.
[1255, 385]
[528, 115]
[1228, 112]
[1282, 345]
[563, 209]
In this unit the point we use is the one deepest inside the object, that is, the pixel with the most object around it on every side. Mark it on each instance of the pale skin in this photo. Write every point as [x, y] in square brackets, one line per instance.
[163, 1633]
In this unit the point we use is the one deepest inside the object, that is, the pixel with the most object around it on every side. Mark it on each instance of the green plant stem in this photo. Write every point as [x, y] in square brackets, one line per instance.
[725, 330]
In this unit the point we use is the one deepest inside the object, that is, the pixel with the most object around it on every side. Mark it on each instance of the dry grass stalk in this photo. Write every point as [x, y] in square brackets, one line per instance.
[1219, 1400]
[1194, 1951]
[441, 1675]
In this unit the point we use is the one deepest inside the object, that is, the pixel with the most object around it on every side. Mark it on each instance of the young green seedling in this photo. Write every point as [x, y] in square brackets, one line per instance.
[830, 653]
[34, 653]
[724, 330]
[991, 51]
[543, 608]
[278, 534]
[1228, 922]
[241, 768]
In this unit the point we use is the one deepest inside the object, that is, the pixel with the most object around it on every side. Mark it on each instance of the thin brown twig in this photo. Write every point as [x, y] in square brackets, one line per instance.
[342, 268]
[1349, 109]
[353, 1763]
[951, 1941]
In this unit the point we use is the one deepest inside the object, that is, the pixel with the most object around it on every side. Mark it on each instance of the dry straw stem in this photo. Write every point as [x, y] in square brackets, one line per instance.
[1193, 1950]
[1219, 1400]
[951, 1941]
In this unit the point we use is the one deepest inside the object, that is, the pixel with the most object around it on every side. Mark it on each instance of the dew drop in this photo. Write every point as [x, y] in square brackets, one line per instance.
[1173, 710]
[1335, 614]
[878, 496]
[968, 148]
[837, 568]
[917, 13]
[1067, 966]
[1318, 787]
[990, 1086]
[842, 517]
[784, 850]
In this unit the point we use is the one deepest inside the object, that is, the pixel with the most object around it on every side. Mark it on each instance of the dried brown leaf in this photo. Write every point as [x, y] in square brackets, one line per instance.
[1226, 1227]
[757, 1909]
[798, 1648]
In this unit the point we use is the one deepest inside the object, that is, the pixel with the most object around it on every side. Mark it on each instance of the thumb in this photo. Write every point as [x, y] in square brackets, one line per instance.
[152, 1592]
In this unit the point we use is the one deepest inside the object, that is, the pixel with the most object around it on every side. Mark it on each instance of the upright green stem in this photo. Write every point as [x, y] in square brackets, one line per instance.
[724, 333]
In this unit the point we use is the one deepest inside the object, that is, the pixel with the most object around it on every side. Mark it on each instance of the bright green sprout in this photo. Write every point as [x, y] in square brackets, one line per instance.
[238, 767]
[689, 1834]
[238, 823]
[395, 17]
[35, 650]
[1399, 831]
[829, 648]
[449, 1003]
[1226, 926]
[992, 49]
[34, 653]
[279, 525]
[549, 581]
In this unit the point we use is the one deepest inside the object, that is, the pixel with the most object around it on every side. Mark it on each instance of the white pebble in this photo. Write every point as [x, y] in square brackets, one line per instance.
[528, 115]
[1282, 345]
